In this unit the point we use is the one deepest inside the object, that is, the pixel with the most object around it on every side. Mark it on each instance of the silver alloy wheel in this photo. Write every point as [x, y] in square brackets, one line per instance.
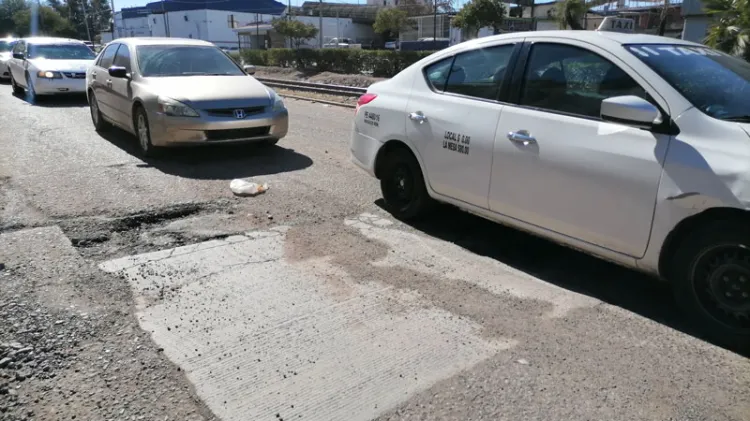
[143, 132]
[94, 110]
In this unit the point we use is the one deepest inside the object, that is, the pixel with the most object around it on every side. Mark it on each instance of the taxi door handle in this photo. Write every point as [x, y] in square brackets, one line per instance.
[522, 136]
[93, 75]
[418, 117]
[109, 82]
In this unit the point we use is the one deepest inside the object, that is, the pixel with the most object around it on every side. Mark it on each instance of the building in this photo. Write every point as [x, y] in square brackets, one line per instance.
[234, 23]
[209, 20]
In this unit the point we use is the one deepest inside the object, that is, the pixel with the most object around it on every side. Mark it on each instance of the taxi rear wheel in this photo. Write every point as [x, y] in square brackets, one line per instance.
[402, 185]
[711, 281]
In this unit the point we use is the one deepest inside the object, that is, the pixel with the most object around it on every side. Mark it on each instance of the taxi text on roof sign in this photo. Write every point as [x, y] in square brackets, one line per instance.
[613, 24]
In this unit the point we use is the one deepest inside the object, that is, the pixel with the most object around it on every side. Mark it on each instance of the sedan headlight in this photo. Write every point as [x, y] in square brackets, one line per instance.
[174, 108]
[278, 103]
[46, 74]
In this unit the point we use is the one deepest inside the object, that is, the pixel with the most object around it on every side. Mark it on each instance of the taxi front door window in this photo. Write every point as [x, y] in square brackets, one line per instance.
[574, 81]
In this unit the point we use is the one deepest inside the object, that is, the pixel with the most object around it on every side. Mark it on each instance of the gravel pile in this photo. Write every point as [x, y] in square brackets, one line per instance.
[35, 344]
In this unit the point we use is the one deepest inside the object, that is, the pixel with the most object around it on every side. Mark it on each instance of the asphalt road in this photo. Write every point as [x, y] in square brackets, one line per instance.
[134, 289]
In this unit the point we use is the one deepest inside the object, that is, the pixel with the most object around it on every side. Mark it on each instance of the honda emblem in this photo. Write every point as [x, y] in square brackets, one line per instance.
[239, 113]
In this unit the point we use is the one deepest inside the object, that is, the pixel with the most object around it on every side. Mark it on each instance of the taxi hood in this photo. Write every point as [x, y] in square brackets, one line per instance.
[197, 90]
[44, 64]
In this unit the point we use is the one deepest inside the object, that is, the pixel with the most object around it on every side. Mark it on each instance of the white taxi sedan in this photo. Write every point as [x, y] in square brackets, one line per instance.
[633, 148]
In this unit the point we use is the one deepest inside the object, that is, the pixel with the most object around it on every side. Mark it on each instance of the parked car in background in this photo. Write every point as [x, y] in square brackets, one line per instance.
[391, 45]
[90, 45]
[181, 92]
[49, 66]
[6, 45]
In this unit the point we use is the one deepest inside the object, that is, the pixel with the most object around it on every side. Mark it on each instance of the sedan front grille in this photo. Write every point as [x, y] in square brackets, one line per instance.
[74, 75]
[237, 134]
[229, 112]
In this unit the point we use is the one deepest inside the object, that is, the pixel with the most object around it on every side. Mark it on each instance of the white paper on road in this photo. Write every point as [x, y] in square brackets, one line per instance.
[259, 335]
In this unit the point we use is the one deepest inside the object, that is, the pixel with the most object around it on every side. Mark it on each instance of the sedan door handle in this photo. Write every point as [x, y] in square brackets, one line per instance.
[109, 83]
[522, 136]
[418, 117]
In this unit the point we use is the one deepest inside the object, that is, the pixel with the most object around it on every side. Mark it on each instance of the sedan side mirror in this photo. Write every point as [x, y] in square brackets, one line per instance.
[630, 110]
[249, 69]
[118, 72]
[19, 56]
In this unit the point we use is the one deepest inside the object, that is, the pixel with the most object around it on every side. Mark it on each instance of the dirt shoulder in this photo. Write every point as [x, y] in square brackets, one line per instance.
[362, 81]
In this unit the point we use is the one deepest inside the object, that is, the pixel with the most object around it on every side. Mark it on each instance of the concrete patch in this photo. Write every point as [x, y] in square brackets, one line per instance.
[262, 337]
[435, 257]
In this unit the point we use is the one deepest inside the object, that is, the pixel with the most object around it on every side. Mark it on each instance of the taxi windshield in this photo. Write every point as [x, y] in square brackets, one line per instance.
[61, 52]
[715, 83]
[184, 60]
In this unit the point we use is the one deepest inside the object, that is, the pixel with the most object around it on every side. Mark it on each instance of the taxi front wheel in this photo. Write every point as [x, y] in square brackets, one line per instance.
[403, 185]
[711, 279]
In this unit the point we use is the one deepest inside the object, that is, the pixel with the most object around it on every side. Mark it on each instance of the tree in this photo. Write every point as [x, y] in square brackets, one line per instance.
[390, 22]
[479, 14]
[730, 31]
[48, 20]
[570, 13]
[8, 8]
[296, 31]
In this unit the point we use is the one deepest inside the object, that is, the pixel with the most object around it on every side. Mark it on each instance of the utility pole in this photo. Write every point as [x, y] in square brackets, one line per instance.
[257, 30]
[434, 24]
[320, 24]
[114, 25]
[164, 18]
[86, 19]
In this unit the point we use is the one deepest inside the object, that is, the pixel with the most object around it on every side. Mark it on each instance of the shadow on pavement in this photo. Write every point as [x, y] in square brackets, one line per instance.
[219, 162]
[558, 265]
[55, 101]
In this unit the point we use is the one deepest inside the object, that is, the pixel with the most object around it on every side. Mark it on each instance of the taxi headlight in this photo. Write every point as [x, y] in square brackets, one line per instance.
[174, 108]
[46, 74]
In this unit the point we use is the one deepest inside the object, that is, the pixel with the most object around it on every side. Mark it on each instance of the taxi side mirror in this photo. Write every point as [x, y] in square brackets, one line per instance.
[249, 69]
[630, 110]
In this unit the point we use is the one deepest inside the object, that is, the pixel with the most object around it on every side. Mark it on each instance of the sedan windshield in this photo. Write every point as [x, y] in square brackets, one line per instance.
[184, 60]
[6, 46]
[714, 82]
[61, 52]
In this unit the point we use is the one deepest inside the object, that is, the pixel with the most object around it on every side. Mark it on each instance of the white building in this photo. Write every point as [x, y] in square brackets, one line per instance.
[226, 23]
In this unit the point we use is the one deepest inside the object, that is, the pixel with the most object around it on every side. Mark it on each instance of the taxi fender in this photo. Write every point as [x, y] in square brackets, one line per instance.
[399, 139]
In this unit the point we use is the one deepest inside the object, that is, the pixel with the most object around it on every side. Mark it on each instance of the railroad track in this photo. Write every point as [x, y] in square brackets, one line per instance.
[321, 88]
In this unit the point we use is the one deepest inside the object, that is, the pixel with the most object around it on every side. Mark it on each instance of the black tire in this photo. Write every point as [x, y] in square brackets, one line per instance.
[711, 279]
[402, 185]
[17, 90]
[146, 148]
[100, 124]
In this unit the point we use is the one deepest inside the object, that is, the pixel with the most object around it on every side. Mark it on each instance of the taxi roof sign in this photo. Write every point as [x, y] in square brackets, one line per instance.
[613, 24]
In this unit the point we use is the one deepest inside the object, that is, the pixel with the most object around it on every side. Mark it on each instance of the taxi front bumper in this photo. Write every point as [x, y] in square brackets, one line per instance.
[64, 85]
[204, 130]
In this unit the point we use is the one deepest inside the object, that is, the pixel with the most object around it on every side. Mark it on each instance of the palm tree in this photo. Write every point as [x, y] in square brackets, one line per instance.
[730, 31]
